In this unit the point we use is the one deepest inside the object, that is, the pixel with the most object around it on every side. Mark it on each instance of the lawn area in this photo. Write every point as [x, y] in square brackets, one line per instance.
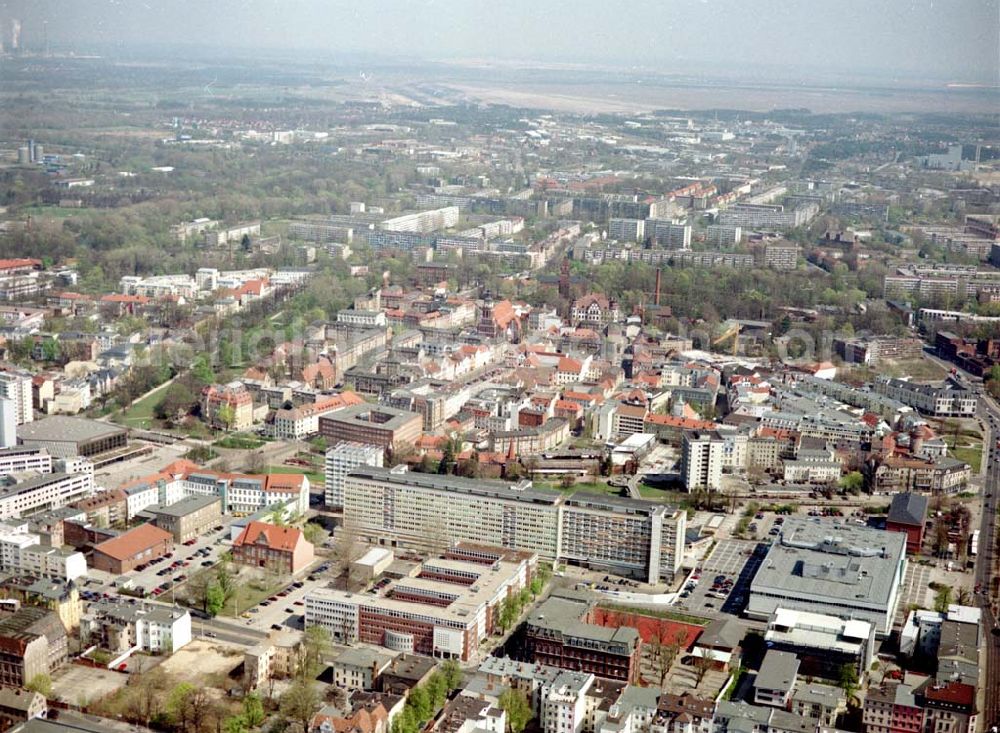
[315, 477]
[248, 594]
[239, 441]
[972, 455]
[923, 370]
[140, 414]
[592, 487]
[50, 212]
[250, 591]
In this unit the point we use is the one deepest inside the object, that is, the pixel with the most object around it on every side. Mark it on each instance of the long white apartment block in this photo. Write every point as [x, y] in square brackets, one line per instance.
[639, 538]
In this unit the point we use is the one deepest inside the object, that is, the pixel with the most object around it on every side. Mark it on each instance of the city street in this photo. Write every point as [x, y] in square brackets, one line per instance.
[986, 572]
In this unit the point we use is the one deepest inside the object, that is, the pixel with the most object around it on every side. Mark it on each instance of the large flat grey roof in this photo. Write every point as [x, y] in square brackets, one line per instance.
[356, 414]
[65, 429]
[184, 506]
[777, 671]
[616, 503]
[831, 561]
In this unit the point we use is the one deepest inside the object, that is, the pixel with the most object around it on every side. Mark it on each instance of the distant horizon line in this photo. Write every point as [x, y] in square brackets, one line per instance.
[862, 78]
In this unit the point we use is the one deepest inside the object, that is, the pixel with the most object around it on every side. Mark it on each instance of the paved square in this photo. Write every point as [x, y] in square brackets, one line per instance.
[75, 684]
[915, 590]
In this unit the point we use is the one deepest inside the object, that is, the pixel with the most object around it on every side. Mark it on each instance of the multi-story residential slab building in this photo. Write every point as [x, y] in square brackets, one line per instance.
[21, 458]
[22, 552]
[16, 386]
[701, 459]
[637, 537]
[625, 536]
[48, 491]
[341, 460]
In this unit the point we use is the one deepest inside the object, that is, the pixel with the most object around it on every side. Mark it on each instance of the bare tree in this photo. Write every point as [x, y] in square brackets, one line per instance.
[347, 548]
[148, 689]
[437, 535]
[255, 462]
[702, 665]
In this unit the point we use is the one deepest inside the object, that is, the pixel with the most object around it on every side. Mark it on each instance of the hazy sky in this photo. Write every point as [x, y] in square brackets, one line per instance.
[950, 40]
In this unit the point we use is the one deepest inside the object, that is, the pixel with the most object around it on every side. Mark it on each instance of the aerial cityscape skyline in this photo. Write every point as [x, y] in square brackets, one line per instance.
[466, 367]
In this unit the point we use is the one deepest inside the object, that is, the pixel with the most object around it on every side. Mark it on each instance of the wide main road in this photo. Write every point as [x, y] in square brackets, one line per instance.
[986, 568]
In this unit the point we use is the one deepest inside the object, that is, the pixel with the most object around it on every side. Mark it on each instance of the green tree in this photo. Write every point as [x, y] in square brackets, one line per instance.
[315, 647]
[849, 680]
[225, 578]
[235, 724]
[313, 533]
[178, 401]
[507, 614]
[215, 599]
[452, 674]
[50, 349]
[253, 710]
[227, 416]
[202, 370]
[437, 689]
[447, 458]
[942, 599]
[515, 703]
[852, 482]
[420, 701]
[188, 706]
[299, 703]
[42, 684]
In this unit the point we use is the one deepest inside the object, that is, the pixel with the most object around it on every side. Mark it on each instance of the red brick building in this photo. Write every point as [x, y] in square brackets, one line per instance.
[907, 513]
[130, 549]
[556, 635]
[281, 549]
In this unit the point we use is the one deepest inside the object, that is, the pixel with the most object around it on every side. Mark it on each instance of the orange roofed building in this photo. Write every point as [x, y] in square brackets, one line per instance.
[280, 549]
[130, 549]
[241, 493]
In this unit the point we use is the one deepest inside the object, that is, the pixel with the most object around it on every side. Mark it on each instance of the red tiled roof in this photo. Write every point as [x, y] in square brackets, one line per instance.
[119, 298]
[566, 364]
[19, 263]
[684, 423]
[957, 693]
[285, 539]
[779, 433]
[131, 543]
[631, 410]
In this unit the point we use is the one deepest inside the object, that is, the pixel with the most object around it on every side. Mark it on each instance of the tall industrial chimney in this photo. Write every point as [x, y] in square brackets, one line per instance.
[15, 35]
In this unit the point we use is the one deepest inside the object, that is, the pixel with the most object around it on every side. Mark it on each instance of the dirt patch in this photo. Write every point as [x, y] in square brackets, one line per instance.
[207, 657]
[76, 684]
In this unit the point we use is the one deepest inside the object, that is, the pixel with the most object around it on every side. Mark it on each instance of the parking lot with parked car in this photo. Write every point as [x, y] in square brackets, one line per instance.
[161, 575]
[721, 583]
